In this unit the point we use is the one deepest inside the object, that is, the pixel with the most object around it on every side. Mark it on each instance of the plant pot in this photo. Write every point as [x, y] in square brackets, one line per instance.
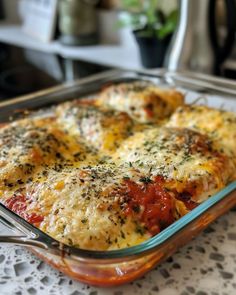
[152, 50]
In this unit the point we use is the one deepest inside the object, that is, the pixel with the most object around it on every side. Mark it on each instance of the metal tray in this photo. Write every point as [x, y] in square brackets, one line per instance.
[107, 268]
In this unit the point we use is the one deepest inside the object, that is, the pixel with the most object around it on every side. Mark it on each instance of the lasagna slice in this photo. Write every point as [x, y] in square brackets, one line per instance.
[86, 208]
[219, 125]
[143, 101]
[187, 161]
[31, 147]
[103, 128]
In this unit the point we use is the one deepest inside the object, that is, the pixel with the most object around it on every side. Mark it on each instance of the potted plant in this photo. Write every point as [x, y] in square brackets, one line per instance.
[152, 29]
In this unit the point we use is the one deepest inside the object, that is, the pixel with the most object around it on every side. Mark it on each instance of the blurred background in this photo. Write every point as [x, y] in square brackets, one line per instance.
[48, 42]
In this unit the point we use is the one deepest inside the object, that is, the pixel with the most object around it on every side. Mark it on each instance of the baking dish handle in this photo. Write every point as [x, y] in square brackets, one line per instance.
[20, 237]
[23, 233]
[20, 240]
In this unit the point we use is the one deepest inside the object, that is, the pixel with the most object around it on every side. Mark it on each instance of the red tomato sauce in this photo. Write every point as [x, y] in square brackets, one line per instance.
[153, 205]
[185, 197]
[18, 204]
[149, 111]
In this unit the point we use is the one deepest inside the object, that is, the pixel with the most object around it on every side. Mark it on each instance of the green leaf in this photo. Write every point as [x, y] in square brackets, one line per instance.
[144, 15]
[169, 26]
[151, 12]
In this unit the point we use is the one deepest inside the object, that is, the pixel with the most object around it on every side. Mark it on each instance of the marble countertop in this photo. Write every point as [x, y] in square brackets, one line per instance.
[206, 266]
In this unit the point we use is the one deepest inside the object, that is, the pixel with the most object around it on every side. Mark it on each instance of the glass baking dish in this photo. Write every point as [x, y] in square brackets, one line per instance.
[109, 268]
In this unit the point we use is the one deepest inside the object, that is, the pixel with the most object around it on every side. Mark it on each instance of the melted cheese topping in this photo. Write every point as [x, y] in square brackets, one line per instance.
[219, 125]
[144, 102]
[184, 157]
[30, 148]
[104, 129]
[94, 177]
[90, 215]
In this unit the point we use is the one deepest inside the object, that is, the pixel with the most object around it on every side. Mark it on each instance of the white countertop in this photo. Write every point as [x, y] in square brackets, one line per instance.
[109, 55]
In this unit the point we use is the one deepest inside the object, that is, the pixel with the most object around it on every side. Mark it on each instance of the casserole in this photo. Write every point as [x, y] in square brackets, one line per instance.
[117, 266]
